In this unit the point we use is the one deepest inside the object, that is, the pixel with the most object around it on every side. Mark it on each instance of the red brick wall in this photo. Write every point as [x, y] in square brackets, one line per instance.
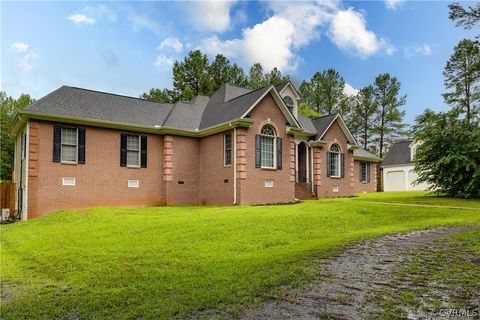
[101, 181]
[185, 155]
[251, 183]
[213, 173]
[365, 187]
[324, 185]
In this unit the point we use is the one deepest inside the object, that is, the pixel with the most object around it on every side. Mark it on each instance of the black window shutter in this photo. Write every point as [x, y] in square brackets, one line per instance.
[57, 143]
[81, 145]
[342, 164]
[329, 173]
[123, 150]
[279, 153]
[258, 153]
[360, 172]
[368, 171]
[143, 154]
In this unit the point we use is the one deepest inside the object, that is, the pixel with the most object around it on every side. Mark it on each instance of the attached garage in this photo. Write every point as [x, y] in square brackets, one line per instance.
[398, 168]
[394, 181]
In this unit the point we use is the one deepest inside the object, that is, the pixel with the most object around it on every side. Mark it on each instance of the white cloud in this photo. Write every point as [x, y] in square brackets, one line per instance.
[27, 56]
[211, 15]
[393, 4]
[274, 41]
[163, 61]
[293, 25]
[20, 47]
[25, 62]
[143, 22]
[349, 90]
[349, 32]
[418, 49]
[171, 43]
[79, 18]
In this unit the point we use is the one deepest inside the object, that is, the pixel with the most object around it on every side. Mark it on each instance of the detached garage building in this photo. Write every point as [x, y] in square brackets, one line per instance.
[398, 168]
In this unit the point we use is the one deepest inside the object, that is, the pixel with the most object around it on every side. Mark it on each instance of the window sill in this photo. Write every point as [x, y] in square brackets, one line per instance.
[227, 165]
[68, 162]
[133, 167]
[365, 182]
[268, 169]
[331, 177]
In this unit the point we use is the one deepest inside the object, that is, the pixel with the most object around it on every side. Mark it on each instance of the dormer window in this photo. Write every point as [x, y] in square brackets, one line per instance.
[289, 103]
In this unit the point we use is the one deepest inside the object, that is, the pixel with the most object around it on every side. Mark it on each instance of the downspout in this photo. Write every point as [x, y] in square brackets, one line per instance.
[234, 163]
[27, 158]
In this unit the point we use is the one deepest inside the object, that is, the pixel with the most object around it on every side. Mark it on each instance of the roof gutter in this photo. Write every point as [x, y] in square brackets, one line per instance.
[25, 116]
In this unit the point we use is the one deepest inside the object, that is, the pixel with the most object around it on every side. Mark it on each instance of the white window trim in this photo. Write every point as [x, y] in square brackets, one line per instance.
[274, 149]
[339, 164]
[139, 152]
[76, 146]
[225, 149]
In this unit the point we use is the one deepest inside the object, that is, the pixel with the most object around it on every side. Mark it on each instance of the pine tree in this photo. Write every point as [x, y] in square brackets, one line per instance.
[462, 75]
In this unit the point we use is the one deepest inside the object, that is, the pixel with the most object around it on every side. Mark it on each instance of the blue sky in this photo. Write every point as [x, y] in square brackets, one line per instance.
[128, 47]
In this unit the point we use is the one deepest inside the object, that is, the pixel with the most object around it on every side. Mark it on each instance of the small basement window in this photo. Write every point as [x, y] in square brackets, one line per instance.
[268, 183]
[133, 183]
[68, 181]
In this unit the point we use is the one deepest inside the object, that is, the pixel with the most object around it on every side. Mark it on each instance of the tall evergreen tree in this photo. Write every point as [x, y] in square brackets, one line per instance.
[191, 77]
[161, 95]
[256, 77]
[275, 77]
[324, 91]
[462, 75]
[389, 118]
[466, 18]
[364, 110]
[222, 72]
[8, 109]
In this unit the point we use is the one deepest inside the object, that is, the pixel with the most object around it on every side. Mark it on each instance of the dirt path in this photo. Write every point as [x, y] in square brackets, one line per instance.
[350, 280]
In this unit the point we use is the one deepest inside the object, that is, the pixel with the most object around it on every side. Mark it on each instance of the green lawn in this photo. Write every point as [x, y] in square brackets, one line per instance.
[154, 263]
[419, 197]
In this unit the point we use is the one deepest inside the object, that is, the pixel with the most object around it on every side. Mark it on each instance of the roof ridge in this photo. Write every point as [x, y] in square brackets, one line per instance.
[327, 115]
[250, 92]
[117, 95]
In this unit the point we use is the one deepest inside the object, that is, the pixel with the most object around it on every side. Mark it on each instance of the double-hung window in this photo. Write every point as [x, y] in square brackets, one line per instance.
[133, 150]
[335, 161]
[227, 144]
[69, 145]
[267, 141]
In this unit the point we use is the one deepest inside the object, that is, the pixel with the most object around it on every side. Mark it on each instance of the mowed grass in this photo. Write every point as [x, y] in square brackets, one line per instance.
[419, 197]
[159, 263]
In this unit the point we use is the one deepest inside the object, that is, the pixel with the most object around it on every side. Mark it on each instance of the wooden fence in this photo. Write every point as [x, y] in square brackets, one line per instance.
[7, 196]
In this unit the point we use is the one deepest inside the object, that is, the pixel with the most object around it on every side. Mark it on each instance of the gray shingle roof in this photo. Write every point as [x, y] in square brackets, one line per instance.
[306, 123]
[219, 110]
[94, 105]
[362, 153]
[321, 124]
[228, 103]
[398, 154]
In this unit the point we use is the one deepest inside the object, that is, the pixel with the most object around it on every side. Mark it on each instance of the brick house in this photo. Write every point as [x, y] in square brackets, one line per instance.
[80, 148]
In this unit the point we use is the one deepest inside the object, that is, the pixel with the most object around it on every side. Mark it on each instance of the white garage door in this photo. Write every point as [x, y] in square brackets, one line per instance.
[395, 181]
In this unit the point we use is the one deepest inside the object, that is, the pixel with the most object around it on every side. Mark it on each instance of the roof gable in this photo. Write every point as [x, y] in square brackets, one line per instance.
[280, 103]
[323, 124]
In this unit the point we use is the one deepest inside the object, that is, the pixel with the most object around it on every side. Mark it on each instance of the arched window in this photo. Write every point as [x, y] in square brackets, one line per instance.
[289, 102]
[334, 161]
[267, 142]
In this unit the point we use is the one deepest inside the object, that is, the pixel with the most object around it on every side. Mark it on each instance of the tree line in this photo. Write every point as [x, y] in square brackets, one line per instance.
[196, 75]
[448, 156]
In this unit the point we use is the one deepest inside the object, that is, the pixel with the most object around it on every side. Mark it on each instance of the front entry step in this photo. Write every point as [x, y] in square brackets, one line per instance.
[303, 191]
